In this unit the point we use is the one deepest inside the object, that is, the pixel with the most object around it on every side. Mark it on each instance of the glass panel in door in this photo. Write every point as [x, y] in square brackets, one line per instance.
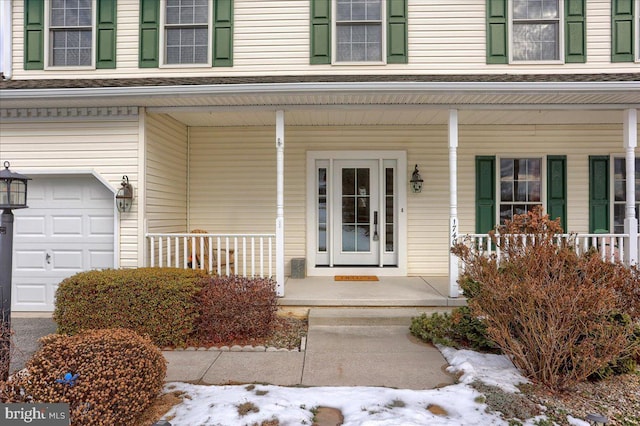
[356, 233]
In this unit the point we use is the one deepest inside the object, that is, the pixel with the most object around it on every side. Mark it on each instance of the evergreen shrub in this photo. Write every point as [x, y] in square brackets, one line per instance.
[158, 302]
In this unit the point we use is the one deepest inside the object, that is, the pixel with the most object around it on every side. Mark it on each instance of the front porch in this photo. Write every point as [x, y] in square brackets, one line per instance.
[394, 292]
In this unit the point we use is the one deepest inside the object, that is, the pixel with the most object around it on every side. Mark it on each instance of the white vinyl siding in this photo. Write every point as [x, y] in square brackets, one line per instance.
[272, 38]
[166, 170]
[63, 146]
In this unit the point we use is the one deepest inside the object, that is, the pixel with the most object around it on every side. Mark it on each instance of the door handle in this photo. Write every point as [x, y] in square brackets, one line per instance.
[375, 226]
[48, 258]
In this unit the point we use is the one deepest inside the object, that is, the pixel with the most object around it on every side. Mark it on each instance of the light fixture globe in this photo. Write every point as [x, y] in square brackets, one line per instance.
[124, 197]
[13, 189]
[416, 181]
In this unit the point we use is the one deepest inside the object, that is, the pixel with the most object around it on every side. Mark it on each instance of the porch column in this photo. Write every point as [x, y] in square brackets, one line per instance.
[630, 126]
[453, 203]
[280, 203]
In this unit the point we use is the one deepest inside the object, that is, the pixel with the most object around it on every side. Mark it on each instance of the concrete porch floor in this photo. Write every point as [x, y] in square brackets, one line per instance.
[387, 292]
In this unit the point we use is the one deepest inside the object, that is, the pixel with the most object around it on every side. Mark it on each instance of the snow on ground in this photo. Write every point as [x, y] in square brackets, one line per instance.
[362, 406]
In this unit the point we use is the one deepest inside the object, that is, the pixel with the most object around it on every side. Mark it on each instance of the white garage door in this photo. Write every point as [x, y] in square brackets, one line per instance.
[68, 228]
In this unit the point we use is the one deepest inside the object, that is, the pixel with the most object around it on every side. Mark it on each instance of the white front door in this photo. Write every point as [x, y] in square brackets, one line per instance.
[356, 209]
[357, 217]
[68, 228]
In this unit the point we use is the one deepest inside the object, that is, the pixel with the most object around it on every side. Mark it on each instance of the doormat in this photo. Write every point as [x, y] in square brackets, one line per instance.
[356, 278]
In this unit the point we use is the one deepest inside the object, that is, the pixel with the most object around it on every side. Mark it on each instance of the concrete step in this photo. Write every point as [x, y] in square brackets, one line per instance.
[368, 316]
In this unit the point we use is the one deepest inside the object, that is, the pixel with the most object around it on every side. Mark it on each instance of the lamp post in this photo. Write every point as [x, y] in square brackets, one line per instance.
[13, 195]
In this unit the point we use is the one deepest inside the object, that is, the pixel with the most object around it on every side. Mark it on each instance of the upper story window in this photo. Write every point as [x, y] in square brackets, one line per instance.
[359, 30]
[535, 30]
[186, 32]
[71, 33]
[62, 34]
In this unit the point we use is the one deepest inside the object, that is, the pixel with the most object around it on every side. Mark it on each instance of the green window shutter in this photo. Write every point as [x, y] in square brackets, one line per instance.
[598, 193]
[397, 42]
[34, 34]
[557, 188]
[320, 32]
[497, 34]
[622, 31]
[485, 194]
[575, 31]
[106, 34]
[149, 33]
[223, 33]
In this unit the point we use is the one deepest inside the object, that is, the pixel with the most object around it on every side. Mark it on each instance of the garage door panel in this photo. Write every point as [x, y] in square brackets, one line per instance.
[66, 225]
[31, 293]
[100, 225]
[100, 259]
[66, 260]
[29, 260]
[70, 220]
[68, 192]
[34, 226]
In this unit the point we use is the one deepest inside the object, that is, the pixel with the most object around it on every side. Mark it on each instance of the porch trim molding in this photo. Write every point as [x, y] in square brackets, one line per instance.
[630, 141]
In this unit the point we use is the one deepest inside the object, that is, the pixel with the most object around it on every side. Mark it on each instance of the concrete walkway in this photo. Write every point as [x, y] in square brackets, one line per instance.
[335, 355]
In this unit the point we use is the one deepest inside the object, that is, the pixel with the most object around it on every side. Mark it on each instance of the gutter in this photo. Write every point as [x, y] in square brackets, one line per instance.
[321, 88]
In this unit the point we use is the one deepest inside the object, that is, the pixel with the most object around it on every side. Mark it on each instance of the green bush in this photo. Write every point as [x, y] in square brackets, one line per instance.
[554, 312]
[159, 302]
[235, 308]
[115, 375]
[458, 329]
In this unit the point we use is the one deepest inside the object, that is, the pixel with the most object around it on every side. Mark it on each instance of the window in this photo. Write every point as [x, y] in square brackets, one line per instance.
[520, 186]
[186, 32]
[358, 30]
[536, 30]
[71, 33]
[620, 193]
[508, 186]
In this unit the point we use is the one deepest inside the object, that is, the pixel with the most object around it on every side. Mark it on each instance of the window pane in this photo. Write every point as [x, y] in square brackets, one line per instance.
[521, 183]
[186, 46]
[322, 209]
[506, 191]
[348, 181]
[535, 9]
[348, 210]
[363, 243]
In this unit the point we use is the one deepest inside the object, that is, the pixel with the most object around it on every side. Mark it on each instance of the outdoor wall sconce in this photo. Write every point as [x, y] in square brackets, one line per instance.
[124, 197]
[416, 181]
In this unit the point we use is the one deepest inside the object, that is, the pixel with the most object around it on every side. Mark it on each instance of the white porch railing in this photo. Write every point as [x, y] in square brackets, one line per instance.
[249, 255]
[609, 246]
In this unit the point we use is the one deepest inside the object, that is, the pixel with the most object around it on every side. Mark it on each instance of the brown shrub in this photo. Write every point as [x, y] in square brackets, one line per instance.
[119, 374]
[557, 314]
[235, 307]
